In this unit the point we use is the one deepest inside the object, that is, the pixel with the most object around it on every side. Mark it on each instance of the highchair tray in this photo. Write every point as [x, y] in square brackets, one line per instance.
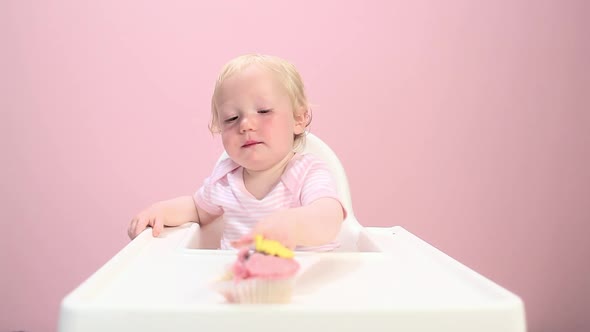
[394, 282]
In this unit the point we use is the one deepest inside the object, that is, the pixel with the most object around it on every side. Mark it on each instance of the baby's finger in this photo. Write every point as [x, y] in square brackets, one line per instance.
[136, 227]
[245, 240]
[131, 228]
[281, 238]
[289, 244]
[157, 226]
[142, 223]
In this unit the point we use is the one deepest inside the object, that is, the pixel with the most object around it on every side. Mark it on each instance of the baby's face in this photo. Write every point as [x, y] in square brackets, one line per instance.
[256, 119]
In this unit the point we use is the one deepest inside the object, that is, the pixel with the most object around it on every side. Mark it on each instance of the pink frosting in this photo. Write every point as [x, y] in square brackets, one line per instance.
[257, 265]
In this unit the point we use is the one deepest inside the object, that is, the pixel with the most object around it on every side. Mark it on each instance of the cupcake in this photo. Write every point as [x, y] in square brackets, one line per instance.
[263, 275]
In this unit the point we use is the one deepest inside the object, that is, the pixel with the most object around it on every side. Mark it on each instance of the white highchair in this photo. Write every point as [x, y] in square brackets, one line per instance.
[380, 279]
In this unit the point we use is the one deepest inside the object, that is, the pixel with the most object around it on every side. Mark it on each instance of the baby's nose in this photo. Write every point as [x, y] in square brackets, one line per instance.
[247, 123]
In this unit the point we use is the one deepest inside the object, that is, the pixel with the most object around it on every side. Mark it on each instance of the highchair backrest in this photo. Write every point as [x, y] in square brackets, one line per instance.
[211, 234]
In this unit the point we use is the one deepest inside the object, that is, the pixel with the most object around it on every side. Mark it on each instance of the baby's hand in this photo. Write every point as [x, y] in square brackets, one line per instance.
[153, 217]
[244, 241]
[279, 226]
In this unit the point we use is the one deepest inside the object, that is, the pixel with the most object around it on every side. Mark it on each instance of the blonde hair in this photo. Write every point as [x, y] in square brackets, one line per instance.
[287, 75]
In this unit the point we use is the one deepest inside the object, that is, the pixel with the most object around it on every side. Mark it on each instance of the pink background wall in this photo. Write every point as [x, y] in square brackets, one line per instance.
[474, 117]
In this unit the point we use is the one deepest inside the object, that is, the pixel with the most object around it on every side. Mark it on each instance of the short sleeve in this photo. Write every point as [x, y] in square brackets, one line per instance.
[203, 198]
[207, 196]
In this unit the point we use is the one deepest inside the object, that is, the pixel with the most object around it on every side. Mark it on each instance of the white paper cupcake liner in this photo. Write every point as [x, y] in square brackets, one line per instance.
[255, 290]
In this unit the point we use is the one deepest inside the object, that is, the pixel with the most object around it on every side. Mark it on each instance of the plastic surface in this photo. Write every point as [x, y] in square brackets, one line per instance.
[394, 282]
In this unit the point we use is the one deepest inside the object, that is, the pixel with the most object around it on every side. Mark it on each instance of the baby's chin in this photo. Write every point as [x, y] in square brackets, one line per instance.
[257, 165]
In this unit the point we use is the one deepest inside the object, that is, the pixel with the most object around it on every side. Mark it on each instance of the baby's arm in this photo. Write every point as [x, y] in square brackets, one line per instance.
[315, 224]
[173, 212]
[318, 223]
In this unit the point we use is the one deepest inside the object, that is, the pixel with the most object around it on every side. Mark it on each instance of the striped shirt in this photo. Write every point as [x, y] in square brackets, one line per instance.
[305, 179]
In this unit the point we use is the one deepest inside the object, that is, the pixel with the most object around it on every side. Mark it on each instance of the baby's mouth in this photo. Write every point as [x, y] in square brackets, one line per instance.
[250, 143]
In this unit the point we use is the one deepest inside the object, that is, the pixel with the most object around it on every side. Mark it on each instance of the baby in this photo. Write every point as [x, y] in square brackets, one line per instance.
[266, 186]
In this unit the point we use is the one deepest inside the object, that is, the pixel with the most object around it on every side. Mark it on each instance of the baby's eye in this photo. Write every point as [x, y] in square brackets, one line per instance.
[232, 119]
[264, 111]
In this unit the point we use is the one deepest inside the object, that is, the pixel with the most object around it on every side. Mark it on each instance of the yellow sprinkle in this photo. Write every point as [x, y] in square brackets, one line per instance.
[272, 247]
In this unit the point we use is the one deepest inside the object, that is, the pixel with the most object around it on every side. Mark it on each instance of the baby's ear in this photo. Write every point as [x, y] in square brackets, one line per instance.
[301, 116]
